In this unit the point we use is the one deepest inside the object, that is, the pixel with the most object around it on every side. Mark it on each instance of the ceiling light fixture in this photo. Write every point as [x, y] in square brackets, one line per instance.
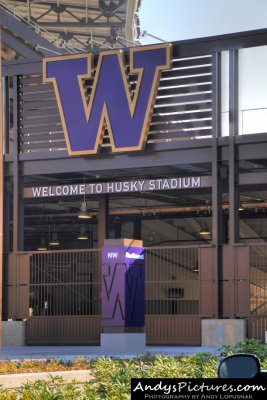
[54, 240]
[83, 214]
[42, 246]
[145, 33]
[204, 231]
[82, 235]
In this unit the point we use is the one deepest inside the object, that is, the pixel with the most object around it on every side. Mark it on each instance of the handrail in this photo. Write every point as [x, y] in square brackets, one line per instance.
[36, 27]
[39, 29]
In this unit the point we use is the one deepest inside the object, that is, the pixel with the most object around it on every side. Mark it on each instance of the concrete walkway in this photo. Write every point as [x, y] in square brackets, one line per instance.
[68, 353]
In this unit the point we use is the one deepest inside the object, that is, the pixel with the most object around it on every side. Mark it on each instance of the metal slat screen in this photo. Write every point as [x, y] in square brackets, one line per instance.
[40, 127]
[65, 283]
[172, 281]
[258, 279]
[183, 107]
[69, 283]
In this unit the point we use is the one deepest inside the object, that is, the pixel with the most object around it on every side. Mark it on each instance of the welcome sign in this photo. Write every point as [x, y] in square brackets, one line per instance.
[111, 105]
[142, 185]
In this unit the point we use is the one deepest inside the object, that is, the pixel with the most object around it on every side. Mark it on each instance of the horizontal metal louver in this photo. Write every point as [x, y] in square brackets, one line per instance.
[182, 110]
[183, 107]
[40, 126]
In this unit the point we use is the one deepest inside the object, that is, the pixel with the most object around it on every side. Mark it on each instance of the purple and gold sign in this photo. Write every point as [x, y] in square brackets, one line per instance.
[111, 105]
[123, 286]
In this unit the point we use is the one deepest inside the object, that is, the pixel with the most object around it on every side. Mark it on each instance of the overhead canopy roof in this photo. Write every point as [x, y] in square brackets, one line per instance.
[70, 26]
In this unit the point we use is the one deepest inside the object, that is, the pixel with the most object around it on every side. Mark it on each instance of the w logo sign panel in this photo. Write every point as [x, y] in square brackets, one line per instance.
[123, 286]
[112, 105]
[123, 295]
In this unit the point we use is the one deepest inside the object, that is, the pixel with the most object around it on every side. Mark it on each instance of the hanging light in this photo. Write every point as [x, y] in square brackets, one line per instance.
[54, 240]
[204, 231]
[84, 214]
[42, 246]
[82, 235]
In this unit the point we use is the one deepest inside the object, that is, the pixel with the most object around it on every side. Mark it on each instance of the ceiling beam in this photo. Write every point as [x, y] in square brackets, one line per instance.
[73, 32]
[96, 25]
[27, 34]
[169, 231]
[71, 6]
[112, 8]
[18, 46]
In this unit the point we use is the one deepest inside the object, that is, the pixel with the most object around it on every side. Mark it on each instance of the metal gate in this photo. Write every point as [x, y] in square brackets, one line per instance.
[172, 296]
[64, 297]
[257, 322]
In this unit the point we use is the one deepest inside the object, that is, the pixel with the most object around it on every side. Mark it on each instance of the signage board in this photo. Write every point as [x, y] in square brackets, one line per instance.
[112, 103]
[123, 286]
[130, 186]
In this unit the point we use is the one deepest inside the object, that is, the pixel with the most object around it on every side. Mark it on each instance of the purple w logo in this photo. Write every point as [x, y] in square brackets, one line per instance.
[123, 295]
[112, 104]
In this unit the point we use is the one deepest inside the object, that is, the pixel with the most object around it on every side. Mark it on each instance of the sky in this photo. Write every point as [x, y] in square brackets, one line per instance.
[173, 20]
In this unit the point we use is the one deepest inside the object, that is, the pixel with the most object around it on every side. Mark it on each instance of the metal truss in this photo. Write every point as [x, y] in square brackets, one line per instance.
[80, 25]
[19, 40]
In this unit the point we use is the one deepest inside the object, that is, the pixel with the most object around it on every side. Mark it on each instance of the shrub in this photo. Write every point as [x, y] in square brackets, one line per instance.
[252, 346]
[111, 377]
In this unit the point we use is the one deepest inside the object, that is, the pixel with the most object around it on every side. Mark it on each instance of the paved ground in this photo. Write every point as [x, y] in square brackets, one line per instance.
[72, 352]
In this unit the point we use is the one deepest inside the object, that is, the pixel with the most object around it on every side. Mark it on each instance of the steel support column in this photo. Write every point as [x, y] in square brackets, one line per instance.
[233, 162]
[6, 245]
[216, 188]
[1, 190]
[231, 262]
[103, 219]
[18, 204]
[137, 233]
[118, 229]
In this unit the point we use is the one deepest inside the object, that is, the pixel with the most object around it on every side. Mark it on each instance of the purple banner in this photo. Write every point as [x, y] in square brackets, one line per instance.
[123, 286]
